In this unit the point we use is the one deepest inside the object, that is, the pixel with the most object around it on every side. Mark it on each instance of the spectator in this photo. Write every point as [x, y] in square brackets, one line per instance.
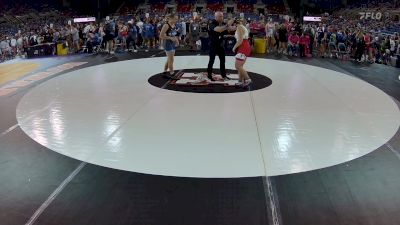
[340, 31]
[101, 33]
[183, 30]
[132, 37]
[276, 37]
[318, 40]
[304, 44]
[13, 44]
[5, 48]
[293, 46]
[392, 44]
[92, 41]
[148, 34]
[269, 34]
[360, 46]
[20, 44]
[122, 35]
[194, 33]
[368, 46]
[282, 33]
[75, 38]
[110, 32]
[140, 24]
[332, 42]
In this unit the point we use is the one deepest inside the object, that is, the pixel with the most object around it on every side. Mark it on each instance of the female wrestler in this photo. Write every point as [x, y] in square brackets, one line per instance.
[169, 33]
[243, 49]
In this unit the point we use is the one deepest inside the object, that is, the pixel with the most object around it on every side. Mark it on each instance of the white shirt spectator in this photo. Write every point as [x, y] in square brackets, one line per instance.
[140, 25]
[184, 28]
[4, 45]
[39, 40]
[270, 27]
[75, 34]
[392, 45]
[35, 37]
[398, 49]
[13, 42]
[87, 29]
[20, 42]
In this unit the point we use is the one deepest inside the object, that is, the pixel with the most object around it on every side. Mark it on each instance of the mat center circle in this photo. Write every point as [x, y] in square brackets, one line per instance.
[196, 81]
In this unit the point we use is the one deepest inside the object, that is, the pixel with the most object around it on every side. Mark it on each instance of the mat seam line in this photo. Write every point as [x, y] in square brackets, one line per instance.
[266, 180]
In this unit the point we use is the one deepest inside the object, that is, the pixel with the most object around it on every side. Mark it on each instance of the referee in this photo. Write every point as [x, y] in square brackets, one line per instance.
[217, 30]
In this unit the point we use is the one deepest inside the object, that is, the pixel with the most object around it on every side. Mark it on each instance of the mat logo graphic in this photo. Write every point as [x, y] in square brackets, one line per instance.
[370, 15]
[200, 79]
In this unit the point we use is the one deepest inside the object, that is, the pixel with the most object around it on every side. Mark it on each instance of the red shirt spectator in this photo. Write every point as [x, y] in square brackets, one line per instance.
[305, 40]
[367, 40]
[256, 27]
[294, 39]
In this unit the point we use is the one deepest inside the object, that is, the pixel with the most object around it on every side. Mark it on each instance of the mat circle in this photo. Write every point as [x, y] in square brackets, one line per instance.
[259, 82]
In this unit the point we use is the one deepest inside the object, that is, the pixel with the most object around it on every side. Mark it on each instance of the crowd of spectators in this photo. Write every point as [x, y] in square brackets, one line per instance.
[340, 35]
[336, 37]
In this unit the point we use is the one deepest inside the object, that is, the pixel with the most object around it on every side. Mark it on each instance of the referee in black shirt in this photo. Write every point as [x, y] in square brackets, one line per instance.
[217, 30]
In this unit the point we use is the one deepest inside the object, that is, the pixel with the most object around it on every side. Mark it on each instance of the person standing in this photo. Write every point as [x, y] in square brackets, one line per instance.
[217, 30]
[293, 46]
[360, 46]
[304, 44]
[146, 31]
[194, 33]
[276, 38]
[159, 41]
[183, 30]
[139, 26]
[243, 49]
[169, 34]
[20, 44]
[204, 36]
[151, 35]
[282, 33]
[132, 37]
[13, 44]
[109, 36]
[269, 35]
[75, 38]
[319, 40]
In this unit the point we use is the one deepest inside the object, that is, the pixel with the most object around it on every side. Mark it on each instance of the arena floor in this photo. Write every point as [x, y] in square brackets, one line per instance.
[106, 140]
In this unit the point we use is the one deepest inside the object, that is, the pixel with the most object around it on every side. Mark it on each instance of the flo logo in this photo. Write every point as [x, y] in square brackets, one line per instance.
[370, 15]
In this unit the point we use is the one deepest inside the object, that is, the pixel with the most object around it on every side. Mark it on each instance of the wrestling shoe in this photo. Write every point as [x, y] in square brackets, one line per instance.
[239, 83]
[165, 75]
[211, 78]
[247, 83]
[226, 78]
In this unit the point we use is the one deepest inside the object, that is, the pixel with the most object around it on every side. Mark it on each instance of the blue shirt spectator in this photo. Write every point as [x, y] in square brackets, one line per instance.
[340, 38]
[148, 30]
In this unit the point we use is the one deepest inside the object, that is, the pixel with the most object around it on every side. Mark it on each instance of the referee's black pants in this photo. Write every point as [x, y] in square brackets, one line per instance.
[220, 52]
